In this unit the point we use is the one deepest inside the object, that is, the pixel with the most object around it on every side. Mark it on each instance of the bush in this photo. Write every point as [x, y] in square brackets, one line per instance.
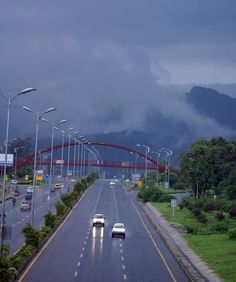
[156, 194]
[44, 232]
[61, 209]
[192, 229]
[232, 234]
[50, 220]
[166, 198]
[202, 218]
[31, 235]
[196, 211]
[231, 192]
[222, 205]
[220, 216]
[145, 194]
[219, 227]
[209, 206]
[232, 212]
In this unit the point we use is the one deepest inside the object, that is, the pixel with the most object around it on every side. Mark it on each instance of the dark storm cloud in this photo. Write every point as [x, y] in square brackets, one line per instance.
[101, 63]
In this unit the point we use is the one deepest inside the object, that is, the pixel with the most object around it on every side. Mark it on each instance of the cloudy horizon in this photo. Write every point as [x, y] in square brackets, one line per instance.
[104, 65]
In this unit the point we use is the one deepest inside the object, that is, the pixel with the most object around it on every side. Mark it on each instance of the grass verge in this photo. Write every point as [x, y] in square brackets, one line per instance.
[216, 249]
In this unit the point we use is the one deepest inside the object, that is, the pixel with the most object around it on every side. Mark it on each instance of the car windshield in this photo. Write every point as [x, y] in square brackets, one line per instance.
[119, 225]
[99, 216]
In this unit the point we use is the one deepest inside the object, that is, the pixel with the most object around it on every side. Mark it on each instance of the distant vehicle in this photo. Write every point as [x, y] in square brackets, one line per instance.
[112, 183]
[99, 220]
[52, 189]
[58, 186]
[28, 196]
[72, 181]
[25, 206]
[118, 230]
[30, 189]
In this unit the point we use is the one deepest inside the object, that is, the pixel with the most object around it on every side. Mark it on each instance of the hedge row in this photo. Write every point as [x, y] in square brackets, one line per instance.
[11, 267]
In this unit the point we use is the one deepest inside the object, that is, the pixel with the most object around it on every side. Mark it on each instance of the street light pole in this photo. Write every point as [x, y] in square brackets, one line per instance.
[52, 144]
[158, 156]
[68, 156]
[62, 151]
[9, 100]
[147, 150]
[38, 117]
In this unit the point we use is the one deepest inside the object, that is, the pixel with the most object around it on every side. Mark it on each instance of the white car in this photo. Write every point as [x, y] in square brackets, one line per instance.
[112, 183]
[30, 189]
[25, 206]
[72, 181]
[99, 220]
[118, 230]
[58, 185]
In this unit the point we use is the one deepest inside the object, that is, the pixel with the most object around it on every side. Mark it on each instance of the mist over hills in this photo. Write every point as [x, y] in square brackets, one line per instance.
[200, 113]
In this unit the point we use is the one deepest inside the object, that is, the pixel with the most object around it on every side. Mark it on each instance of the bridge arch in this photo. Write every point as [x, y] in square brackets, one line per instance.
[29, 158]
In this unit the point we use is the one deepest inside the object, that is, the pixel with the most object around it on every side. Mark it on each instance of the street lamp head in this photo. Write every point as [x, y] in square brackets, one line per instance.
[27, 109]
[70, 129]
[44, 119]
[27, 90]
[62, 121]
[50, 110]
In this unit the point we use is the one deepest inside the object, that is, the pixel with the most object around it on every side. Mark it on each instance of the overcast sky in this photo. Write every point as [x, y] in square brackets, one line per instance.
[103, 63]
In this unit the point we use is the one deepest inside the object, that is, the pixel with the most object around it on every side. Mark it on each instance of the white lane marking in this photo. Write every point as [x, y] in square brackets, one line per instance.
[78, 264]
[81, 255]
[121, 251]
[85, 242]
[13, 225]
[123, 266]
[120, 245]
[86, 237]
[23, 219]
[122, 258]
[76, 273]
[125, 277]
[83, 248]
[18, 222]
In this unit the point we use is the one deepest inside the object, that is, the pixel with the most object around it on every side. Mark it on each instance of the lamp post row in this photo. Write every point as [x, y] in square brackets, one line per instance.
[39, 117]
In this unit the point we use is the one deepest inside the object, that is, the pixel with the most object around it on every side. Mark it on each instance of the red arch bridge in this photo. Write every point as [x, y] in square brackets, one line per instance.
[151, 163]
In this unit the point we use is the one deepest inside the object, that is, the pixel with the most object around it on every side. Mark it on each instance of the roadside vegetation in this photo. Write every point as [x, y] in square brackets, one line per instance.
[10, 267]
[208, 217]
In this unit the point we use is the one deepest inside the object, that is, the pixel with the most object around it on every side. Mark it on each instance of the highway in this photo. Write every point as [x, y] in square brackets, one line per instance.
[17, 218]
[80, 252]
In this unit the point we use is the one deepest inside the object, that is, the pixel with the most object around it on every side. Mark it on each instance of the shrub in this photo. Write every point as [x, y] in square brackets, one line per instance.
[209, 206]
[156, 194]
[231, 192]
[166, 198]
[198, 204]
[232, 234]
[50, 220]
[220, 216]
[43, 232]
[196, 211]
[145, 194]
[232, 212]
[31, 235]
[202, 218]
[192, 229]
[61, 209]
[221, 205]
[219, 227]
